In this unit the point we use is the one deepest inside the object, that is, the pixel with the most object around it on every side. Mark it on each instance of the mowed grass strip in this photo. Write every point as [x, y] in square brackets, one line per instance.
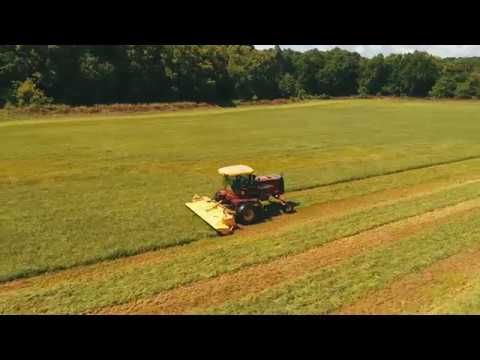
[80, 295]
[458, 171]
[335, 200]
[422, 292]
[235, 285]
[333, 287]
[79, 192]
[463, 302]
[314, 213]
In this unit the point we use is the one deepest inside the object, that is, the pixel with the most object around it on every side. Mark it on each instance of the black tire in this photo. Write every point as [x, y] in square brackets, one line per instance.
[288, 208]
[248, 214]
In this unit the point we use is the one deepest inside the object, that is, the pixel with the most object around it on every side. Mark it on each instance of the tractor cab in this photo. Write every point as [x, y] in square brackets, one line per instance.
[240, 185]
[239, 179]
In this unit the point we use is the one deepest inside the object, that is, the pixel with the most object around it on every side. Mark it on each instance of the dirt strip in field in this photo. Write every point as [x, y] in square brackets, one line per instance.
[313, 213]
[233, 286]
[416, 293]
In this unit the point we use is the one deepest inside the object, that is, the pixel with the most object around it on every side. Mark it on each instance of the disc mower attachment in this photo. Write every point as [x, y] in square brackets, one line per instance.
[213, 213]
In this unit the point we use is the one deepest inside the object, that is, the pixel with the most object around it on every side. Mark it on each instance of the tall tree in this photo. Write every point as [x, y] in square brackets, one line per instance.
[340, 73]
[89, 74]
[373, 75]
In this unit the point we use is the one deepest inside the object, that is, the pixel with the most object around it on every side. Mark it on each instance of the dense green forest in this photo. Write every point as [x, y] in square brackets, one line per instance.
[87, 75]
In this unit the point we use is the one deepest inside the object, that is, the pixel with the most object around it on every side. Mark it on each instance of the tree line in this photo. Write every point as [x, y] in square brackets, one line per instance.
[87, 75]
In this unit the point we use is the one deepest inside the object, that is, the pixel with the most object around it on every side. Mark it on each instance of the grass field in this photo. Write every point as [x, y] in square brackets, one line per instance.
[92, 215]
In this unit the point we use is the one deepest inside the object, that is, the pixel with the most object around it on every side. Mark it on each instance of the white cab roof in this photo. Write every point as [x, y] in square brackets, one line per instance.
[236, 170]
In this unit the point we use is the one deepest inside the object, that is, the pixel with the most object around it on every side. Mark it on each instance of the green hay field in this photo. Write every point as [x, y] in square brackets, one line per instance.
[79, 191]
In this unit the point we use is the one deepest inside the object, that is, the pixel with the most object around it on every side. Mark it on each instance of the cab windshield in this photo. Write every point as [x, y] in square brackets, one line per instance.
[237, 181]
[227, 181]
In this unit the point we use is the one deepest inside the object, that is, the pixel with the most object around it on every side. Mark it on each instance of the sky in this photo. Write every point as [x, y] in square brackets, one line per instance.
[372, 50]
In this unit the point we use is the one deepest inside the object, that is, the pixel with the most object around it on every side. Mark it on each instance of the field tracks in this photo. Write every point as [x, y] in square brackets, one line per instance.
[230, 286]
[418, 293]
[93, 217]
[393, 172]
[233, 286]
[310, 214]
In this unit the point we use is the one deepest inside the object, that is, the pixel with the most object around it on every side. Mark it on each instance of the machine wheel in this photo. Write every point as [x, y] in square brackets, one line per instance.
[248, 214]
[288, 208]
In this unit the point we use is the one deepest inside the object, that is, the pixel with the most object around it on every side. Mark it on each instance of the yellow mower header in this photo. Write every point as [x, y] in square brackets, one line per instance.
[213, 213]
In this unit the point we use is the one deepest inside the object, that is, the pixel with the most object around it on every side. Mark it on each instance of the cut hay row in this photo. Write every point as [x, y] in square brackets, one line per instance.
[335, 203]
[231, 286]
[464, 301]
[324, 202]
[79, 294]
[420, 293]
[82, 192]
[390, 172]
[334, 287]
[92, 209]
[308, 214]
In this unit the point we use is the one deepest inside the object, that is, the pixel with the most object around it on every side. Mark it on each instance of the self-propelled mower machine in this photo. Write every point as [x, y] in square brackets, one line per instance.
[243, 199]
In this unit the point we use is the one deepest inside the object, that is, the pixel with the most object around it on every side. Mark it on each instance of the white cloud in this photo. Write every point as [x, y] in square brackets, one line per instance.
[372, 50]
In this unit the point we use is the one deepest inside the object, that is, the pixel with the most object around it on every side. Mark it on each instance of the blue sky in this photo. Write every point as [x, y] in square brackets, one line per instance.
[372, 50]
